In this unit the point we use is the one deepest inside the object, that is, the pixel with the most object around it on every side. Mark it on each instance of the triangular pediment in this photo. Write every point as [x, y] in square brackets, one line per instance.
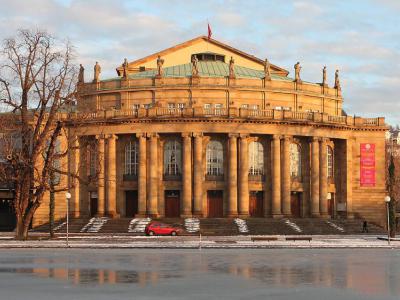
[181, 54]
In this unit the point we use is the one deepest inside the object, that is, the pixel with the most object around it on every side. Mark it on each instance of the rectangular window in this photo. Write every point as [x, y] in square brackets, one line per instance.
[246, 106]
[171, 105]
[255, 107]
[180, 106]
[218, 105]
[136, 106]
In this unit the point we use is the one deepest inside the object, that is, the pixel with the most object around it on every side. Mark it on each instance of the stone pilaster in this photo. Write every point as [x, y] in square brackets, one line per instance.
[276, 176]
[244, 176]
[111, 199]
[315, 177]
[75, 171]
[286, 176]
[100, 176]
[233, 188]
[323, 178]
[153, 191]
[142, 178]
[349, 178]
[187, 176]
[198, 174]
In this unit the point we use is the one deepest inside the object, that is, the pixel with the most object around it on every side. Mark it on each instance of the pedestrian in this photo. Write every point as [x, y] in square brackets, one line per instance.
[365, 227]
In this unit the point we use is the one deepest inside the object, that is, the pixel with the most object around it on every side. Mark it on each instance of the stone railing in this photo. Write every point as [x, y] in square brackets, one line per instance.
[229, 113]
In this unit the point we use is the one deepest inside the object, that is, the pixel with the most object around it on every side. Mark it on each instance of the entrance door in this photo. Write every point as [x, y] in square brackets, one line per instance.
[331, 203]
[256, 208]
[215, 204]
[131, 203]
[93, 204]
[8, 219]
[295, 204]
[172, 204]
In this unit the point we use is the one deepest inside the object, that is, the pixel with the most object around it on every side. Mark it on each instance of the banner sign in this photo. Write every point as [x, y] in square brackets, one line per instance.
[367, 165]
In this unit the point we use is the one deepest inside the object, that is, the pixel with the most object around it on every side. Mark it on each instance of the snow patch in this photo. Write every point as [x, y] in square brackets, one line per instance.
[60, 226]
[141, 224]
[293, 225]
[94, 224]
[242, 225]
[337, 227]
[192, 225]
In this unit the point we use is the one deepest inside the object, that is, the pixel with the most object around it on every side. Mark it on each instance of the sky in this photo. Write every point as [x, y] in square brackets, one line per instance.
[361, 38]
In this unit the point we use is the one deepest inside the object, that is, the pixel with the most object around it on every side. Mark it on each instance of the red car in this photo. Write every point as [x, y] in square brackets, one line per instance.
[157, 228]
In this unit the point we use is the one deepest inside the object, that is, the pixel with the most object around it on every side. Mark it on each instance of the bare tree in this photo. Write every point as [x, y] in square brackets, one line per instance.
[37, 81]
[393, 182]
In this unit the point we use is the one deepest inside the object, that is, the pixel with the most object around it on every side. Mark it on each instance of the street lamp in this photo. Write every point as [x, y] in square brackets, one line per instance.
[67, 197]
[387, 201]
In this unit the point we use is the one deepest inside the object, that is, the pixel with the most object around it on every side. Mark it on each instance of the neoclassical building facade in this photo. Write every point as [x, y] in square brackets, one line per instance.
[203, 129]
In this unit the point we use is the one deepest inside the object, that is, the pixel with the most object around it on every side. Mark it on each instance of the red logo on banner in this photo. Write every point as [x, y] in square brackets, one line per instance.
[367, 165]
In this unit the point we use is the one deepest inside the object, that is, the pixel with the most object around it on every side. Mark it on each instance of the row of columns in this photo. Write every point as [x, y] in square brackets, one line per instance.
[238, 187]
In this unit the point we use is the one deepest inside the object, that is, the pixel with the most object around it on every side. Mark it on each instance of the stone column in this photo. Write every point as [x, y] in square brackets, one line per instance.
[198, 174]
[315, 177]
[153, 191]
[233, 188]
[323, 178]
[100, 175]
[142, 178]
[276, 176]
[75, 171]
[187, 176]
[244, 176]
[286, 176]
[111, 199]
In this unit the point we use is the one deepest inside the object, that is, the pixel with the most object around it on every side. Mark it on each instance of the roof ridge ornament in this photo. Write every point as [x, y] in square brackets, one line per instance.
[195, 66]
[267, 70]
[324, 82]
[160, 71]
[297, 69]
[232, 68]
[337, 81]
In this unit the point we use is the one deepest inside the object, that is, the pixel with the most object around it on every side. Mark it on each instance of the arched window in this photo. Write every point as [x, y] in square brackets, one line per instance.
[172, 158]
[295, 160]
[131, 158]
[215, 158]
[329, 164]
[256, 158]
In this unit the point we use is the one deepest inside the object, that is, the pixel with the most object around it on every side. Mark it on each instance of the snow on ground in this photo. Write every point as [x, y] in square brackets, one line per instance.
[94, 224]
[337, 227]
[132, 224]
[242, 225]
[293, 225]
[192, 225]
[141, 224]
[60, 226]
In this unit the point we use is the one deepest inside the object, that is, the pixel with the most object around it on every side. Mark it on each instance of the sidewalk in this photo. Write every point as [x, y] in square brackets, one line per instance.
[105, 241]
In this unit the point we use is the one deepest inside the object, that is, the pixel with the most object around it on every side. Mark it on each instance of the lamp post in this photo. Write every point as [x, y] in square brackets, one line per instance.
[67, 197]
[387, 201]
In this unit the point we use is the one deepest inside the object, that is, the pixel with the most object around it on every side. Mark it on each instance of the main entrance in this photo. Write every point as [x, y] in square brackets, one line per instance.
[295, 204]
[131, 203]
[8, 219]
[256, 208]
[172, 204]
[93, 204]
[215, 207]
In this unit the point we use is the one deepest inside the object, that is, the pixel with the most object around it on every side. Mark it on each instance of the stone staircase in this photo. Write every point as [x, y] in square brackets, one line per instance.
[117, 225]
[218, 227]
[268, 226]
[355, 227]
[75, 225]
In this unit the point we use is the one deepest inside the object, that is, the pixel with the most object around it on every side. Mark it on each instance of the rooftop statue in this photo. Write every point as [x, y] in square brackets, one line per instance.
[195, 67]
[97, 71]
[324, 76]
[160, 63]
[267, 70]
[125, 68]
[337, 82]
[232, 68]
[297, 69]
[81, 76]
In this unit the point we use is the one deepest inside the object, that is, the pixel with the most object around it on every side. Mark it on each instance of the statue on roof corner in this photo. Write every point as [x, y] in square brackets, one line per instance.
[125, 69]
[195, 66]
[97, 71]
[160, 63]
[324, 76]
[297, 69]
[267, 70]
[81, 76]
[337, 81]
[232, 68]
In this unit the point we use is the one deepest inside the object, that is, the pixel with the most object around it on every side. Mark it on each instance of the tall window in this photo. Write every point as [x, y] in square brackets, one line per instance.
[215, 158]
[295, 160]
[256, 158]
[93, 161]
[329, 157]
[172, 158]
[131, 158]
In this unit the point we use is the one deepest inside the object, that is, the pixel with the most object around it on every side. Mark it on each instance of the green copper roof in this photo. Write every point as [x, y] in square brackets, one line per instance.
[207, 69]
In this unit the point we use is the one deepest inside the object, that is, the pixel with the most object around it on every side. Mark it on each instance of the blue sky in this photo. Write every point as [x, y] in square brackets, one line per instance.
[359, 37]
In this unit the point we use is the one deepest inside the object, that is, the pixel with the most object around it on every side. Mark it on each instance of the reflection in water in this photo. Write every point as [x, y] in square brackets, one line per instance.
[368, 273]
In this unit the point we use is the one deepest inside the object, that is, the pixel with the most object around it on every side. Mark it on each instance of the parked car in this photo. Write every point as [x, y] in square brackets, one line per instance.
[157, 228]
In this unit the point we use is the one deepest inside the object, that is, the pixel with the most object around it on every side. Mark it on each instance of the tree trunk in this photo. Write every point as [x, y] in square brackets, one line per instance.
[19, 231]
[392, 218]
[51, 214]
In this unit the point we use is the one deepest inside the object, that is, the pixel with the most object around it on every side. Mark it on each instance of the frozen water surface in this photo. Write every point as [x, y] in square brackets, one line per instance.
[200, 274]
